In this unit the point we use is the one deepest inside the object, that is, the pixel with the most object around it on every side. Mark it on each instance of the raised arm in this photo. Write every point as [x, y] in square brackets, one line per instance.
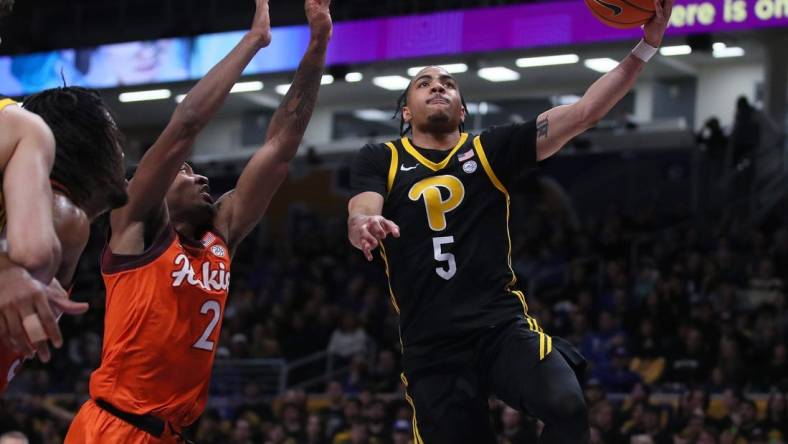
[161, 163]
[241, 209]
[559, 125]
[27, 151]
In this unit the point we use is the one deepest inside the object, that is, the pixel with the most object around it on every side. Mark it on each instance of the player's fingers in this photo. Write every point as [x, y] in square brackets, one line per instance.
[48, 322]
[366, 248]
[391, 227]
[17, 334]
[658, 10]
[4, 333]
[42, 351]
[668, 8]
[68, 306]
[376, 229]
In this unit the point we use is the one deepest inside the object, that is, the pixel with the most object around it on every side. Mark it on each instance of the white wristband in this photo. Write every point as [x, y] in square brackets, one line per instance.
[644, 51]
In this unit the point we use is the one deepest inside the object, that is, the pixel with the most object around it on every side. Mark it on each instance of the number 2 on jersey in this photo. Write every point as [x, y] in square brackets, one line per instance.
[203, 343]
[440, 256]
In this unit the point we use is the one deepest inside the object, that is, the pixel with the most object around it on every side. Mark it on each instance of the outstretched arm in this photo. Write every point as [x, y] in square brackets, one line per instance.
[27, 151]
[365, 225]
[559, 125]
[161, 163]
[241, 209]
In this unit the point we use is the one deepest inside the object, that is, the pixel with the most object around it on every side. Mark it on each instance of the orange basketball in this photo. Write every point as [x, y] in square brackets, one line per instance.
[622, 13]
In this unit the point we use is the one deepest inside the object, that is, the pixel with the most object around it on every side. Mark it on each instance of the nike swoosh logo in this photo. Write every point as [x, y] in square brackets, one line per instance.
[404, 168]
[615, 9]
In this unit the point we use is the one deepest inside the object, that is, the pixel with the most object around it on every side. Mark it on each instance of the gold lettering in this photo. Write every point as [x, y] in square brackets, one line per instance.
[437, 207]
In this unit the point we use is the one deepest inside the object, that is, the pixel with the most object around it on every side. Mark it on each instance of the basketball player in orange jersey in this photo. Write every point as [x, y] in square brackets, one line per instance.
[27, 151]
[87, 181]
[167, 263]
[465, 329]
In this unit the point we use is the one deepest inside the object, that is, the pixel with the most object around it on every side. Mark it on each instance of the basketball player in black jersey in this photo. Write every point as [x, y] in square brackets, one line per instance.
[437, 205]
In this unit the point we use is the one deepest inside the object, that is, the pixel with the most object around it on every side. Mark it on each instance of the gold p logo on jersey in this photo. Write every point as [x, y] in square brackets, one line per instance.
[436, 205]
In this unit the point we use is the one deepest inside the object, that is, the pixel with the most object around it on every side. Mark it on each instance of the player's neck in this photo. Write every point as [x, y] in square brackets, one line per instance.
[435, 141]
[189, 231]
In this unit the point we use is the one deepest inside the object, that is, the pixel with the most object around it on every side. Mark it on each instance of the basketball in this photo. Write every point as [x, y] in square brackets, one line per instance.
[622, 14]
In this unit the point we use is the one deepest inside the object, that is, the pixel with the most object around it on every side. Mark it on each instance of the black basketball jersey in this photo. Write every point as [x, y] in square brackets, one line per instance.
[449, 273]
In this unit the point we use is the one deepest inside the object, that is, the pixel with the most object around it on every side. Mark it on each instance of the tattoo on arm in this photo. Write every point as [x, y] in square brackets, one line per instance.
[299, 103]
[541, 128]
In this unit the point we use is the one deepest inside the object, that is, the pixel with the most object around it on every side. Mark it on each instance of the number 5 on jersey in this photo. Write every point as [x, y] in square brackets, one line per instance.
[213, 307]
[437, 207]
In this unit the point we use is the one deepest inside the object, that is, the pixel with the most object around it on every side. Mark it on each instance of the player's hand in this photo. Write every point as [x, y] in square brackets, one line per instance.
[654, 30]
[318, 14]
[261, 24]
[25, 315]
[366, 232]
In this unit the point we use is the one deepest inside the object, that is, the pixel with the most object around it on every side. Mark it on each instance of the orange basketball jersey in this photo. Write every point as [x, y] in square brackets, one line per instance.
[161, 328]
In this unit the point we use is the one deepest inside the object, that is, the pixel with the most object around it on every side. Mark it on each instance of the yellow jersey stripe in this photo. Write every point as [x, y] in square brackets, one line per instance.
[477, 142]
[541, 346]
[388, 277]
[392, 166]
[428, 163]
[6, 102]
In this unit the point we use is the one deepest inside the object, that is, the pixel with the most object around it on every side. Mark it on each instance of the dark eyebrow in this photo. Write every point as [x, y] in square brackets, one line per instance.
[441, 77]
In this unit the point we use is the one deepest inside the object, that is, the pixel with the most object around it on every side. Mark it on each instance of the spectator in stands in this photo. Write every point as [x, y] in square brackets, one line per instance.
[776, 422]
[13, 438]
[315, 430]
[277, 435]
[618, 378]
[731, 362]
[764, 287]
[209, 427]
[349, 338]
[357, 434]
[714, 143]
[401, 432]
[749, 425]
[385, 378]
[293, 421]
[376, 420]
[334, 412]
[602, 416]
[691, 363]
[746, 131]
[242, 432]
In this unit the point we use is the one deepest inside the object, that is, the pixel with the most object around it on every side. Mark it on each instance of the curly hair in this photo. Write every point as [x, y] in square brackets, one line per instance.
[88, 155]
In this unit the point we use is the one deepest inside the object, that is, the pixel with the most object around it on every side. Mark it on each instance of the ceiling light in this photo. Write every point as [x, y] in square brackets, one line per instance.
[327, 79]
[600, 65]
[372, 115]
[179, 98]
[563, 59]
[498, 74]
[728, 51]
[282, 89]
[247, 87]
[718, 46]
[675, 50]
[451, 68]
[353, 77]
[567, 99]
[391, 83]
[141, 96]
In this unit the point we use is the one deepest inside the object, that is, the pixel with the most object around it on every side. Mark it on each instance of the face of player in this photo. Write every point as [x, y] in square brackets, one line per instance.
[189, 199]
[434, 102]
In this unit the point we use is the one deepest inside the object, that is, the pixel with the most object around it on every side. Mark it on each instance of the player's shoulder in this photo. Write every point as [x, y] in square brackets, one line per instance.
[71, 223]
[6, 101]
